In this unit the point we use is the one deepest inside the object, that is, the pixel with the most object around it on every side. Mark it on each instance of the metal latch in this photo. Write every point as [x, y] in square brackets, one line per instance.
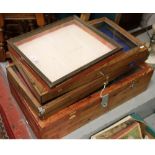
[105, 98]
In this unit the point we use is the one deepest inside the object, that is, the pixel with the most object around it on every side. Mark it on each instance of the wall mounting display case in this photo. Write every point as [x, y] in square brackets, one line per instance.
[129, 51]
[74, 116]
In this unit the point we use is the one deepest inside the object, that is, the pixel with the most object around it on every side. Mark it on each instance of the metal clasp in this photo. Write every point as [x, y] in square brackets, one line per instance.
[105, 97]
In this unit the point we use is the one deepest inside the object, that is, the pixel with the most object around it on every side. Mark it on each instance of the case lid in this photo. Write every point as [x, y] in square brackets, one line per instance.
[58, 51]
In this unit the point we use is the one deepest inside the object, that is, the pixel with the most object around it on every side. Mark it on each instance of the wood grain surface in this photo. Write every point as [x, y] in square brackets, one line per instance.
[105, 68]
[82, 112]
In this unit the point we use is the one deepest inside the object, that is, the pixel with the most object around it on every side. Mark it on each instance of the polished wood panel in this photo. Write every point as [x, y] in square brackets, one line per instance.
[111, 64]
[95, 82]
[82, 112]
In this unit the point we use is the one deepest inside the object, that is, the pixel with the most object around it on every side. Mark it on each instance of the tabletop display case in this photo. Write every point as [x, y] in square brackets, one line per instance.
[70, 72]
[74, 73]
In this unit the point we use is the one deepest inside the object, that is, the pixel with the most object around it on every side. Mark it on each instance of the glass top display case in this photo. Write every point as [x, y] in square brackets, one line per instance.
[60, 50]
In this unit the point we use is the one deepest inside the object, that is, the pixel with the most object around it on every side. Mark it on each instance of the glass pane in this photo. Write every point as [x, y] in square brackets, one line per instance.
[64, 50]
[115, 35]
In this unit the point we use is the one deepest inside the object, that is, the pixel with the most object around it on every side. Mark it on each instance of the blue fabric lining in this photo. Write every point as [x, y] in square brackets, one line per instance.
[118, 40]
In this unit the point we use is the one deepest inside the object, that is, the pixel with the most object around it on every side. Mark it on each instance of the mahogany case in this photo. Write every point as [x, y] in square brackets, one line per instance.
[74, 116]
[102, 71]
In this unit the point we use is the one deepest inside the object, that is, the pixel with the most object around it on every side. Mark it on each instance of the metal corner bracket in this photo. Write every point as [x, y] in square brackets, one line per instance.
[41, 111]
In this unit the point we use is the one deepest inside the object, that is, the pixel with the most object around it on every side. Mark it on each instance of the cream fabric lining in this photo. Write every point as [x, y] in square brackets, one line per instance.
[61, 52]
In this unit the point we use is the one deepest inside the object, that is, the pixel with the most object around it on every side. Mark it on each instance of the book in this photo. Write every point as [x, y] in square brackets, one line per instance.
[127, 128]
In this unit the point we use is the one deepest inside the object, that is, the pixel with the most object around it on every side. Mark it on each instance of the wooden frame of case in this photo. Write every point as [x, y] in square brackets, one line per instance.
[52, 27]
[73, 96]
[70, 118]
[96, 22]
[99, 70]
